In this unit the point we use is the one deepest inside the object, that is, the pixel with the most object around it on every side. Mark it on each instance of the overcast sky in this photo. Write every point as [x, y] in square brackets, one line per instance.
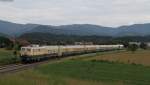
[61, 12]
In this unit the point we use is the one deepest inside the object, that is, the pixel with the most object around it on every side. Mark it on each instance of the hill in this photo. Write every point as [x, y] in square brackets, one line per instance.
[3, 35]
[75, 29]
[134, 30]
[88, 30]
[11, 29]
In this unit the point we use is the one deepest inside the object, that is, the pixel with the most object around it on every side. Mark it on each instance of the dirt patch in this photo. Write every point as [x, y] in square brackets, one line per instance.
[139, 57]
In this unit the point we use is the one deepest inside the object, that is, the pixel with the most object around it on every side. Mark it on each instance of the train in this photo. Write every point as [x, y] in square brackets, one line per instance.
[36, 53]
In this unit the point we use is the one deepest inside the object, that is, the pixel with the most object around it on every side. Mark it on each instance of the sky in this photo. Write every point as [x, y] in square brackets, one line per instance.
[61, 12]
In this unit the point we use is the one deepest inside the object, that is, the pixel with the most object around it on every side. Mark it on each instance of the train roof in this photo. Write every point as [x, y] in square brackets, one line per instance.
[32, 47]
[68, 46]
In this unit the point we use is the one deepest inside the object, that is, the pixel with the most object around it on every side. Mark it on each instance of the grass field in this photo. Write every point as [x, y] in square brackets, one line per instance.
[84, 71]
[81, 73]
[6, 57]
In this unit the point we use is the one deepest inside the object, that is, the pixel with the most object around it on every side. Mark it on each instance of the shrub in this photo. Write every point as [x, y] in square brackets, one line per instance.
[143, 46]
[132, 47]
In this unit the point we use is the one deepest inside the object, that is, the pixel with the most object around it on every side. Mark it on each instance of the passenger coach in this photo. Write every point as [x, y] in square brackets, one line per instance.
[35, 53]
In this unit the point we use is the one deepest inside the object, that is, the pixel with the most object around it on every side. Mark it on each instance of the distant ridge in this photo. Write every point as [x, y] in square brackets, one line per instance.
[14, 29]
[3, 35]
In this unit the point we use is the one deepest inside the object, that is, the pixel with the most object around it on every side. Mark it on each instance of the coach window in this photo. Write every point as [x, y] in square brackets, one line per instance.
[23, 49]
[28, 49]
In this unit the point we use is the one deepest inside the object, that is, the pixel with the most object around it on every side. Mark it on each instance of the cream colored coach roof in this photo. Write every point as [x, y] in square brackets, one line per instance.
[32, 47]
[68, 46]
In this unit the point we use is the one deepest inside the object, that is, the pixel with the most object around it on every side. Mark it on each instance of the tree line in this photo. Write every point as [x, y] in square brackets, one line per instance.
[53, 39]
[135, 47]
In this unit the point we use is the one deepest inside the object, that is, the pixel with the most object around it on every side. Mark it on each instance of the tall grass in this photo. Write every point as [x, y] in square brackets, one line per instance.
[7, 57]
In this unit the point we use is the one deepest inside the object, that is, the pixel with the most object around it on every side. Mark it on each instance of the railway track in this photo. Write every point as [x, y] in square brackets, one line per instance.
[11, 68]
[18, 67]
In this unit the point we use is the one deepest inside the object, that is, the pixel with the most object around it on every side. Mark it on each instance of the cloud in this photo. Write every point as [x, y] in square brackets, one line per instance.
[57, 12]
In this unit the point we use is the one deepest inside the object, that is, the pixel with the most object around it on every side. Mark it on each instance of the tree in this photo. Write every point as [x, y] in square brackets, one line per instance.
[126, 44]
[16, 47]
[132, 47]
[16, 53]
[5, 42]
[143, 46]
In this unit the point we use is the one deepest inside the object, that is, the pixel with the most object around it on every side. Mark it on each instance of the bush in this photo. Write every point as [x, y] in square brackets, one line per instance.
[7, 61]
[143, 46]
[126, 44]
[132, 47]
